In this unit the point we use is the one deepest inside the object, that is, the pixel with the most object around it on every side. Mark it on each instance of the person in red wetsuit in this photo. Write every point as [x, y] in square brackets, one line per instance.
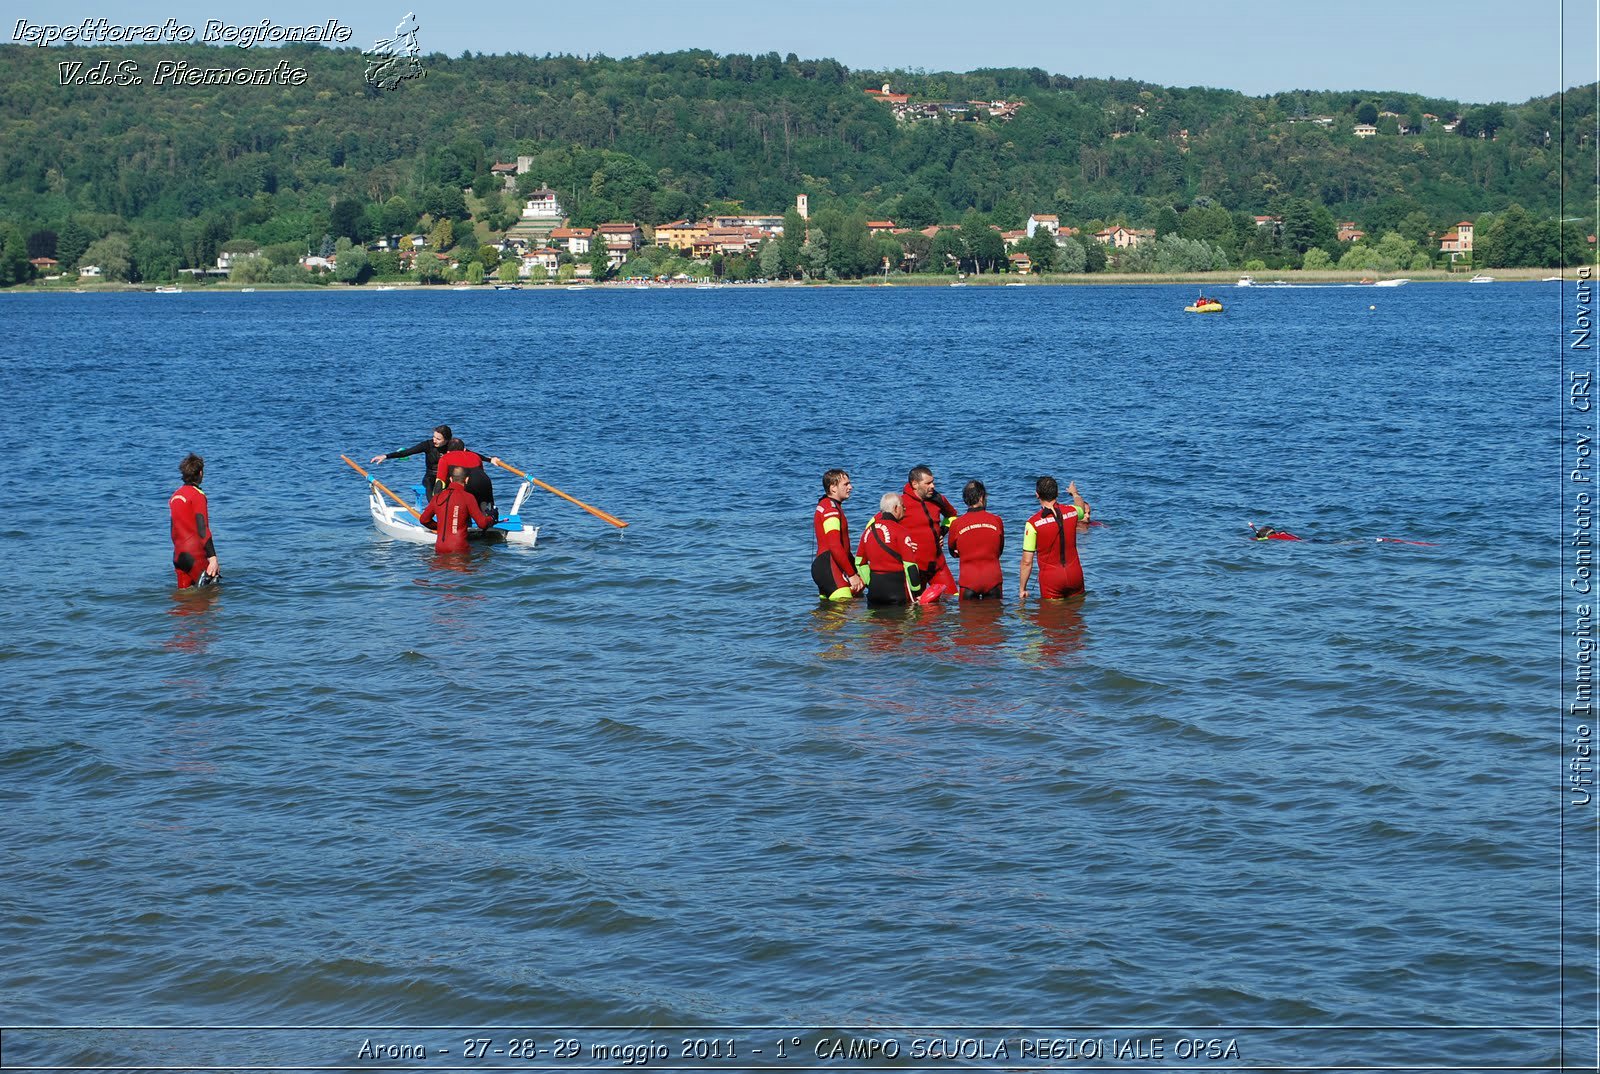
[978, 538]
[450, 513]
[890, 554]
[1267, 533]
[927, 517]
[478, 483]
[1052, 534]
[832, 569]
[194, 555]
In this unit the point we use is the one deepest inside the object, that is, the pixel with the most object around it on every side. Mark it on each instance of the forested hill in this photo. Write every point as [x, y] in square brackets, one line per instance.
[659, 137]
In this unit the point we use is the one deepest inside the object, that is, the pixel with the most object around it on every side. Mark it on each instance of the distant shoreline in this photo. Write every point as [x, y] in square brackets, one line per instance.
[1211, 280]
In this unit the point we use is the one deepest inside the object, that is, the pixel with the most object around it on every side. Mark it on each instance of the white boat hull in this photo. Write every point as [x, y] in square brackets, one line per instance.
[395, 521]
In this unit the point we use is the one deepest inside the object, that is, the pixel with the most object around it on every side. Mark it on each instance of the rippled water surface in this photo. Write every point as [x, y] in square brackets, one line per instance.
[646, 779]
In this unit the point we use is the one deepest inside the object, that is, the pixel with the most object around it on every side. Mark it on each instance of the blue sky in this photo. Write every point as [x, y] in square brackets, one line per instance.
[1469, 50]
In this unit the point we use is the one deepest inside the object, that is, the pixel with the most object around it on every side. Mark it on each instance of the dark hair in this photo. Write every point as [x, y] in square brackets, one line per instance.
[458, 473]
[974, 493]
[191, 467]
[444, 431]
[918, 472]
[455, 445]
[1047, 488]
[830, 479]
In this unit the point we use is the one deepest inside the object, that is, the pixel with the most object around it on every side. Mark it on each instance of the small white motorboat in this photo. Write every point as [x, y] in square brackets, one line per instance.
[169, 290]
[395, 521]
[1481, 278]
[1392, 283]
[1246, 281]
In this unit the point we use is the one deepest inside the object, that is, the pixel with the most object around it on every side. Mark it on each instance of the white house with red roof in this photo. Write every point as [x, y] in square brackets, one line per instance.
[575, 239]
[1044, 220]
[542, 204]
[546, 257]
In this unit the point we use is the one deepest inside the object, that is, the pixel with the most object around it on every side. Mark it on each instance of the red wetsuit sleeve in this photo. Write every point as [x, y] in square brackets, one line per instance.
[430, 514]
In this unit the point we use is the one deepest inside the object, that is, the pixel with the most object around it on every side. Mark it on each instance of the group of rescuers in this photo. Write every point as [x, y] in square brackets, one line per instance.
[900, 558]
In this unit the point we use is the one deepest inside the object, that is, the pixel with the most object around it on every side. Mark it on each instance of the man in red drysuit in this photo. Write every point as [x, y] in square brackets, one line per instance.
[194, 556]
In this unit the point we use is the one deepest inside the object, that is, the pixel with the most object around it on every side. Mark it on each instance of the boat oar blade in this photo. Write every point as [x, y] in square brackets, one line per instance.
[595, 511]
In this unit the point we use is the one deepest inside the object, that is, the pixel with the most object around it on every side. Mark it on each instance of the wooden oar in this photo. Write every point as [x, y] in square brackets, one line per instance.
[595, 511]
[392, 495]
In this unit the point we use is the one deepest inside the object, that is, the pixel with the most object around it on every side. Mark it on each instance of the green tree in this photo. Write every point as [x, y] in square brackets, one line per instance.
[599, 260]
[353, 266]
[474, 272]
[507, 272]
[946, 250]
[75, 239]
[985, 247]
[1316, 260]
[113, 254]
[1166, 221]
[443, 236]
[345, 218]
[1042, 250]
[916, 209]
[771, 260]
[1367, 113]
[1094, 256]
[443, 200]
[251, 270]
[398, 217]
[1070, 255]
[14, 266]
[428, 269]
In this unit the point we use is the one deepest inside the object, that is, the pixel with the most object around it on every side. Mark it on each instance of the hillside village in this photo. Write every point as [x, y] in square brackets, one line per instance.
[543, 245]
[761, 168]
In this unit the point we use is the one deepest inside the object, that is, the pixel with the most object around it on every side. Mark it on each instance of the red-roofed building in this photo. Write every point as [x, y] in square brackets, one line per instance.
[888, 97]
[1123, 238]
[575, 239]
[681, 234]
[1457, 241]
[1020, 263]
[875, 226]
[620, 233]
[1044, 220]
[545, 257]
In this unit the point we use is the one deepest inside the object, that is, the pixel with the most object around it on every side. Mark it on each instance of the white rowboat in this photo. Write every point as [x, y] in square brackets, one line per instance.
[395, 521]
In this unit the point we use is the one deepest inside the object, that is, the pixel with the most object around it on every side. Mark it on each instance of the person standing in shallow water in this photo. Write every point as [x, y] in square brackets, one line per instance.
[1052, 534]
[832, 569]
[890, 555]
[927, 516]
[194, 554]
[977, 539]
[450, 513]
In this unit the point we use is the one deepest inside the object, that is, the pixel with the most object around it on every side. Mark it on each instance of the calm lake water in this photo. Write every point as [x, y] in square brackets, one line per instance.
[1303, 798]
